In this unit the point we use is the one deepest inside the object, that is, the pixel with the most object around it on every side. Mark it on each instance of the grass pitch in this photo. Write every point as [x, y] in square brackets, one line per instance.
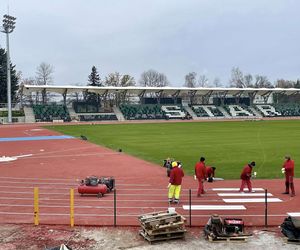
[226, 145]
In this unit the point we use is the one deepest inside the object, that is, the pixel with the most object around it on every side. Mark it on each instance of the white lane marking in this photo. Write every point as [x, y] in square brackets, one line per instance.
[7, 159]
[214, 207]
[294, 214]
[243, 194]
[249, 200]
[21, 156]
[236, 189]
[12, 158]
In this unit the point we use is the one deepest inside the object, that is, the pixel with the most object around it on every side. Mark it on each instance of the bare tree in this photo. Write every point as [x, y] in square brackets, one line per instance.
[118, 80]
[216, 82]
[44, 76]
[152, 78]
[281, 83]
[29, 98]
[282, 98]
[203, 81]
[248, 81]
[190, 80]
[127, 80]
[262, 82]
[237, 78]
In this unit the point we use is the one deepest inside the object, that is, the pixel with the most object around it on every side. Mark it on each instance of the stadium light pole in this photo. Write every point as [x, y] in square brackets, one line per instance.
[8, 27]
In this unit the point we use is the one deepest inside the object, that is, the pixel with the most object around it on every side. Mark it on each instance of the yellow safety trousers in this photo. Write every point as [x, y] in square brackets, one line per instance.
[174, 191]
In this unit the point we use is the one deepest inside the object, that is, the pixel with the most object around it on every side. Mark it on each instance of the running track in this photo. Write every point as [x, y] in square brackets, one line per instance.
[55, 166]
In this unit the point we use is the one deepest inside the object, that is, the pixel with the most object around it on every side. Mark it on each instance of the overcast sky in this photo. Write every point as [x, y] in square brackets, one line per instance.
[171, 36]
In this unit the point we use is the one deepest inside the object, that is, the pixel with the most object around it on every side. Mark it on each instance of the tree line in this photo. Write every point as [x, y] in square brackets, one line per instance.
[44, 75]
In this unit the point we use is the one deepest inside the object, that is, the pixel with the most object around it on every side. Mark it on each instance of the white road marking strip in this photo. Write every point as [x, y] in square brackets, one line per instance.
[294, 214]
[214, 207]
[7, 159]
[251, 200]
[244, 194]
[236, 189]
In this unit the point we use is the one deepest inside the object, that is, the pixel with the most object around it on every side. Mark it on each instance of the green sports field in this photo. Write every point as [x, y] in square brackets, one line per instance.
[225, 145]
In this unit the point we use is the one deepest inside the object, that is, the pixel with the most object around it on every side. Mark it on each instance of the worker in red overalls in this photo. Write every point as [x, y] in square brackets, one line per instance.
[210, 173]
[246, 177]
[175, 181]
[288, 169]
[200, 175]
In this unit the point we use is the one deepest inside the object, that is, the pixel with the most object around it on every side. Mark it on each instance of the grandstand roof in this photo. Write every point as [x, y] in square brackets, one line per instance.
[175, 91]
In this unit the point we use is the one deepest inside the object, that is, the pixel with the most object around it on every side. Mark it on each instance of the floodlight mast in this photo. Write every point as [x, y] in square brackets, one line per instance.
[8, 27]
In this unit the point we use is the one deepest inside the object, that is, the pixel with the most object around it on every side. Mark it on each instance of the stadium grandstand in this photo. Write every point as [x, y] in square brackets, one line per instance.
[69, 103]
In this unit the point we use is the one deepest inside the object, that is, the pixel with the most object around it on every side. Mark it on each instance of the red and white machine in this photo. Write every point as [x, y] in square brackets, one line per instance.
[90, 185]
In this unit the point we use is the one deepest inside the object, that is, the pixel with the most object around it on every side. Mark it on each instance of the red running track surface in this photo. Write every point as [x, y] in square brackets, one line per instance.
[55, 166]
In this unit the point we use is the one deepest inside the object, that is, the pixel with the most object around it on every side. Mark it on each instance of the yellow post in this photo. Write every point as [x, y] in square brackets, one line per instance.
[36, 206]
[72, 207]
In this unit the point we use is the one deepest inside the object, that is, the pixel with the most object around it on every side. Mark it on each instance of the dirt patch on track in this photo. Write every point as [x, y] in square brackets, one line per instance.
[30, 238]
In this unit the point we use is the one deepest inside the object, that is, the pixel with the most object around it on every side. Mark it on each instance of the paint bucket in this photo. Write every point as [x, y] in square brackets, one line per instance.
[171, 210]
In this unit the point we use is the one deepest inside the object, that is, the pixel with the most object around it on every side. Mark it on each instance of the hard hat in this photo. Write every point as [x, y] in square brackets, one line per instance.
[174, 164]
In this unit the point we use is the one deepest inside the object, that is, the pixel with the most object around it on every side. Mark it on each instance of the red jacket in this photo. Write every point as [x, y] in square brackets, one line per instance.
[176, 176]
[246, 173]
[289, 166]
[210, 172]
[200, 170]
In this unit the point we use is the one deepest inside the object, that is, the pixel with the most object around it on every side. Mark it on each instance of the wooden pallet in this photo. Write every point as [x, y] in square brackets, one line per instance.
[162, 225]
[158, 220]
[149, 215]
[228, 239]
[164, 228]
[162, 236]
[160, 214]
[165, 231]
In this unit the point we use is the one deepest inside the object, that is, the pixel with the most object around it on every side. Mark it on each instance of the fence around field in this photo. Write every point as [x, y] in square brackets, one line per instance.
[56, 202]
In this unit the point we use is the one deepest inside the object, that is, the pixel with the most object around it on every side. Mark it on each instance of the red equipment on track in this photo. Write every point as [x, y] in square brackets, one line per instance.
[91, 186]
[99, 190]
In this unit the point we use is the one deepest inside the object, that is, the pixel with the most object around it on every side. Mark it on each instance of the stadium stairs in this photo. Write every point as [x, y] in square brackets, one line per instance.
[191, 112]
[255, 112]
[29, 115]
[118, 114]
[72, 113]
[226, 115]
